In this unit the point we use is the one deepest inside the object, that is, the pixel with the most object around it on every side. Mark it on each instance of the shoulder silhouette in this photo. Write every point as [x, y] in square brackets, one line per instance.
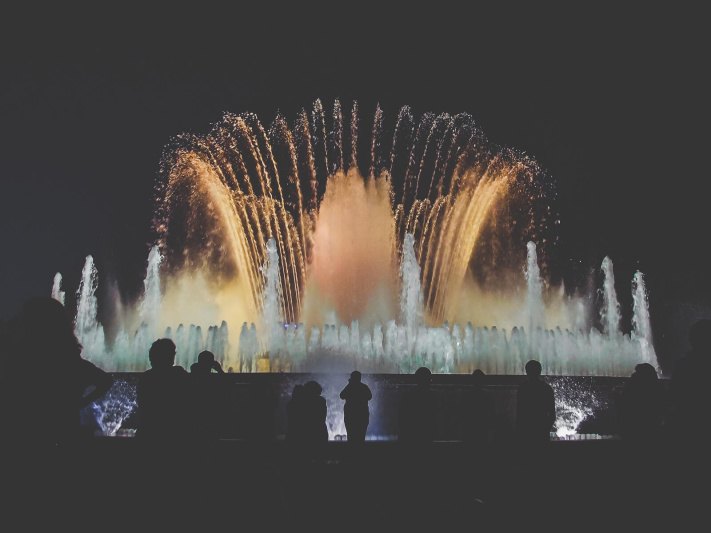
[44, 381]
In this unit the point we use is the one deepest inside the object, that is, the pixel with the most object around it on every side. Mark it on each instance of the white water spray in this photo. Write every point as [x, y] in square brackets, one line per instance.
[641, 324]
[272, 300]
[411, 298]
[151, 301]
[89, 332]
[384, 349]
[610, 311]
[57, 292]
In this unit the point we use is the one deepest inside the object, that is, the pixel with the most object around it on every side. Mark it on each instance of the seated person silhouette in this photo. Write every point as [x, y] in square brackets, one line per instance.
[535, 407]
[163, 396]
[477, 411]
[417, 412]
[641, 405]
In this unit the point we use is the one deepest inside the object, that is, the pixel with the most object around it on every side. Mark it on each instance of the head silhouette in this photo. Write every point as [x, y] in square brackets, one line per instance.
[533, 368]
[355, 377]
[645, 371]
[478, 377]
[48, 317]
[206, 357]
[297, 392]
[700, 336]
[312, 388]
[43, 330]
[162, 353]
[423, 376]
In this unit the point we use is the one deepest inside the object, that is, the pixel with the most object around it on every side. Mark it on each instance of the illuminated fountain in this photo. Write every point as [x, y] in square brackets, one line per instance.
[315, 249]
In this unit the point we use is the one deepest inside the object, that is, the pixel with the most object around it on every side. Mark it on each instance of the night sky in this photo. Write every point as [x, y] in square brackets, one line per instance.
[612, 104]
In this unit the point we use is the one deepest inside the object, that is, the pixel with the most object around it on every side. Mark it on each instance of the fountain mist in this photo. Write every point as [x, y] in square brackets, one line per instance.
[332, 256]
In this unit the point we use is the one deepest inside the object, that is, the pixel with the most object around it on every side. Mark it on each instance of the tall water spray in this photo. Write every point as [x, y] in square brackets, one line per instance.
[411, 298]
[89, 332]
[272, 302]
[57, 292]
[151, 302]
[610, 310]
[534, 294]
[641, 323]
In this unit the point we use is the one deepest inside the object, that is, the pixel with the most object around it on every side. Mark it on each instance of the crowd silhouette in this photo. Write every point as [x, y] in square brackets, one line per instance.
[171, 399]
[45, 383]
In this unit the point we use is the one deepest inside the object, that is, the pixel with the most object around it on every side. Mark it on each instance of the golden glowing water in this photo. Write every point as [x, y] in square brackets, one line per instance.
[470, 205]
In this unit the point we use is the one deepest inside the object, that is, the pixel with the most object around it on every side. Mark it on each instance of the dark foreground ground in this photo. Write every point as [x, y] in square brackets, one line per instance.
[116, 482]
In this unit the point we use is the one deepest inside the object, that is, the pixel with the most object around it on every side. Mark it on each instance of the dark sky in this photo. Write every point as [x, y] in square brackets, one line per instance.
[611, 103]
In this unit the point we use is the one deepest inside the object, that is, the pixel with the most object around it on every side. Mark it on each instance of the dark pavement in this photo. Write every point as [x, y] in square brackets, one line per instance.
[564, 484]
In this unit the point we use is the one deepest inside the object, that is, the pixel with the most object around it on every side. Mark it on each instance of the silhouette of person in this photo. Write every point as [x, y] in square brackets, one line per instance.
[209, 397]
[206, 363]
[641, 405]
[294, 414]
[315, 411]
[356, 414]
[44, 381]
[690, 394]
[163, 396]
[261, 405]
[417, 412]
[295, 434]
[477, 412]
[44, 385]
[535, 407]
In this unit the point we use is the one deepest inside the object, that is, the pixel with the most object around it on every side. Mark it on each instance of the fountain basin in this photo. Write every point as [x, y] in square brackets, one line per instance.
[585, 404]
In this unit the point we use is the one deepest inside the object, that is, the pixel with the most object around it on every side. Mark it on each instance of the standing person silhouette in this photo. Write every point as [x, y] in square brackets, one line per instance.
[477, 412]
[356, 414]
[417, 412]
[315, 411]
[535, 407]
[163, 396]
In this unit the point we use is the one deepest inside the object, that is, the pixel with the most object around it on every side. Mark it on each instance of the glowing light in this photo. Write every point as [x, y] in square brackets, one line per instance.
[333, 222]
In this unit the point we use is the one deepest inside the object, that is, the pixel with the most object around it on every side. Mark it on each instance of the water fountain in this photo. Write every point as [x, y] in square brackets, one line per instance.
[333, 257]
